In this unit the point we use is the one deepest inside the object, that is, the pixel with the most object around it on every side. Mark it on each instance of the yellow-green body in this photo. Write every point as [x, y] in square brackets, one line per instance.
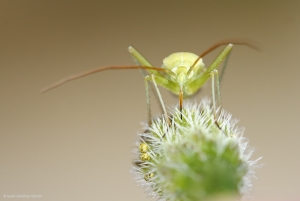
[185, 73]
[179, 64]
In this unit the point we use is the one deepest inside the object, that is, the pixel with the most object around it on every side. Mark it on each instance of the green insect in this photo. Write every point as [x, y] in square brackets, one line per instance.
[182, 73]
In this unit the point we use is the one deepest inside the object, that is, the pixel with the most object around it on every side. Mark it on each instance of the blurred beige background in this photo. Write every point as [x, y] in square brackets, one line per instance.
[75, 142]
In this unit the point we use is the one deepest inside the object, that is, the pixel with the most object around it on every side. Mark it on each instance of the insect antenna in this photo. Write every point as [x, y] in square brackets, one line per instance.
[96, 70]
[236, 41]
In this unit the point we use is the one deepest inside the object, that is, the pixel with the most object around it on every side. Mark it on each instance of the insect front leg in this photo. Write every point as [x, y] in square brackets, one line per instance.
[140, 60]
[212, 73]
[152, 78]
[200, 81]
[164, 82]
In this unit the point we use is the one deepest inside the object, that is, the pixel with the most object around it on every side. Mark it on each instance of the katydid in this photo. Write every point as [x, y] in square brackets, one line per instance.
[182, 73]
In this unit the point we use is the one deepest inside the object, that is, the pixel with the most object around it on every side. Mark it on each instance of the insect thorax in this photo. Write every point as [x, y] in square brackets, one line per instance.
[179, 63]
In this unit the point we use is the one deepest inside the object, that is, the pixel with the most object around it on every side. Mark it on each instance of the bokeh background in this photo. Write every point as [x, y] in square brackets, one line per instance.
[75, 142]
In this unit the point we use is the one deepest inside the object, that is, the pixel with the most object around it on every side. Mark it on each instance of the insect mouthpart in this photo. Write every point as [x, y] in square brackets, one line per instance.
[181, 74]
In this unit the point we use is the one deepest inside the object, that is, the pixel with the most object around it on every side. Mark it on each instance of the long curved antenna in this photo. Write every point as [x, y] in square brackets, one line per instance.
[96, 70]
[236, 41]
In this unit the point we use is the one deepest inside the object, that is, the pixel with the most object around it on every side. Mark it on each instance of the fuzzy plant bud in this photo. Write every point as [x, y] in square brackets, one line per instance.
[193, 156]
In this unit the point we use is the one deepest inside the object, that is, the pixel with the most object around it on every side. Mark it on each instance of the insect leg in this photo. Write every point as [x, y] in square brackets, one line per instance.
[216, 96]
[224, 67]
[152, 78]
[140, 60]
[148, 100]
[198, 83]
